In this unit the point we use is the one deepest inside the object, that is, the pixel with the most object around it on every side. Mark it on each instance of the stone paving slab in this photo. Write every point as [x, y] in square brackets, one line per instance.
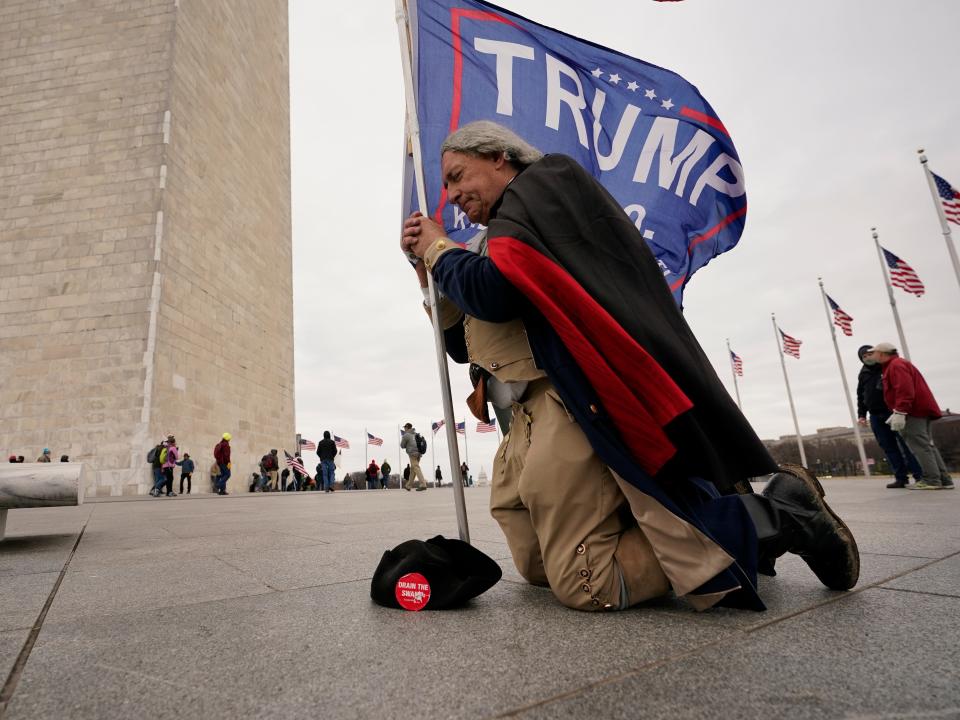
[258, 606]
[877, 654]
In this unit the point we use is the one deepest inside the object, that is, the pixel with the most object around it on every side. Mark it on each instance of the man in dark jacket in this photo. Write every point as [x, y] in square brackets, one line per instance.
[870, 400]
[327, 452]
[614, 397]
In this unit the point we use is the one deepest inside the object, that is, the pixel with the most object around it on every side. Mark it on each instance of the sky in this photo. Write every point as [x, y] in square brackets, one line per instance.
[827, 103]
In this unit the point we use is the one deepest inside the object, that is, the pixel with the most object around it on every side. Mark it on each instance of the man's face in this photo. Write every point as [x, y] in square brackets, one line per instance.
[880, 358]
[474, 183]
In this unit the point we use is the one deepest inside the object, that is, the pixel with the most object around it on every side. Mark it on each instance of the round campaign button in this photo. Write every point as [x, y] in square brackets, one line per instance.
[412, 591]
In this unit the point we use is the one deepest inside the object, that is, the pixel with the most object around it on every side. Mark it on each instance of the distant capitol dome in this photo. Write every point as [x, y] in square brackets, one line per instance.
[482, 478]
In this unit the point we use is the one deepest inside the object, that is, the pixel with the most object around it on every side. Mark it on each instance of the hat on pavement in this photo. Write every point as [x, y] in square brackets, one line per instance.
[433, 575]
[883, 347]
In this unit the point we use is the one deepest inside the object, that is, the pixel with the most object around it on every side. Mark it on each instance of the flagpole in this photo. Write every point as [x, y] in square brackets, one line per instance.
[893, 303]
[399, 461]
[843, 379]
[413, 127]
[786, 381]
[734, 371]
[466, 448]
[940, 214]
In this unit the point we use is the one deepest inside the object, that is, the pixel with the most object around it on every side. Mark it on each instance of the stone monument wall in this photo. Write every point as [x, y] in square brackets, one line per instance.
[145, 227]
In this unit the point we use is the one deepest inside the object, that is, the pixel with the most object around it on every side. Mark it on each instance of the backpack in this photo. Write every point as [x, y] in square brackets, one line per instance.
[267, 462]
[163, 456]
[421, 443]
[152, 454]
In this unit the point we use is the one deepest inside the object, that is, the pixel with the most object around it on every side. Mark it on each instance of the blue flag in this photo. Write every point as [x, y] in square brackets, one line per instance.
[644, 132]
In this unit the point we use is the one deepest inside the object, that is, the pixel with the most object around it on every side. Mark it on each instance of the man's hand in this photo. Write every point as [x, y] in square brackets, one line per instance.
[897, 421]
[419, 233]
[862, 421]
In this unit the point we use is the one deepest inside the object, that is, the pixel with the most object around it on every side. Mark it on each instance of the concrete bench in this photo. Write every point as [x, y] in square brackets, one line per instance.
[31, 485]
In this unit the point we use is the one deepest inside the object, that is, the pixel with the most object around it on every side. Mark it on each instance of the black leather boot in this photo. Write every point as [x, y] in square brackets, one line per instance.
[790, 515]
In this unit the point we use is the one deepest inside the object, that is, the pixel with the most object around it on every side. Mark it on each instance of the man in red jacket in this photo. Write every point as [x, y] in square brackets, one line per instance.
[221, 453]
[908, 396]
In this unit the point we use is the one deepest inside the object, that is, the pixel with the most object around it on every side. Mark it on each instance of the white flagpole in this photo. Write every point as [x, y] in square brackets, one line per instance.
[893, 303]
[399, 461]
[734, 371]
[786, 380]
[366, 448]
[413, 125]
[940, 214]
[843, 379]
[466, 449]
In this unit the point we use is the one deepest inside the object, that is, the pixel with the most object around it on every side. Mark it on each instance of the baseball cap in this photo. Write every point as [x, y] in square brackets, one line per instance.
[453, 571]
[883, 347]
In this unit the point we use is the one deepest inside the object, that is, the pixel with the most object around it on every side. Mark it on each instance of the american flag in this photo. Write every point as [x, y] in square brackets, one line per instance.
[949, 198]
[902, 275]
[483, 427]
[341, 443]
[462, 428]
[374, 440]
[840, 318]
[791, 346]
[296, 463]
[737, 363]
[307, 444]
[437, 425]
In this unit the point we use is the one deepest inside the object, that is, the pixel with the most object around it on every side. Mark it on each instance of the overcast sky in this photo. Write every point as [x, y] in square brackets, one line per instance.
[827, 103]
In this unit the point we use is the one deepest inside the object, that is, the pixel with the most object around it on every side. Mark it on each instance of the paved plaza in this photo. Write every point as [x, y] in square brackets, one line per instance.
[258, 606]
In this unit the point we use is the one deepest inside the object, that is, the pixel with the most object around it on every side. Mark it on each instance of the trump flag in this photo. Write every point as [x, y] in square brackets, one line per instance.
[644, 132]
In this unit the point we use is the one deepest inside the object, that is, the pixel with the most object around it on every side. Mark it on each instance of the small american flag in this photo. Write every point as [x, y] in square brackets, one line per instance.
[296, 463]
[462, 428]
[949, 198]
[840, 318]
[437, 425]
[737, 363]
[341, 443]
[791, 346]
[483, 427]
[307, 444]
[374, 440]
[902, 275]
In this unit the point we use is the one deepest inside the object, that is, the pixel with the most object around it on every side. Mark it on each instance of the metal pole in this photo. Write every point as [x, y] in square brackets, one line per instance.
[893, 303]
[733, 370]
[786, 380]
[940, 214]
[413, 125]
[843, 379]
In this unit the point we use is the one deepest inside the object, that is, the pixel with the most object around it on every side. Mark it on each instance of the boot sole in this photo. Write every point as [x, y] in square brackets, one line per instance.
[809, 478]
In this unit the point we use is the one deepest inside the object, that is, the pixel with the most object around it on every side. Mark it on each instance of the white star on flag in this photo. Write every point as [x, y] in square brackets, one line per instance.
[632, 86]
[614, 78]
[597, 73]
[667, 104]
[650, 94]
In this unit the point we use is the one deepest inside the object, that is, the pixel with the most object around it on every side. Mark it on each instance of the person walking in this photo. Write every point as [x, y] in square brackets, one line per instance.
[385, 474]
[221, 454]
[373, 475]
[44, 456]
[870, 400]
[159, 474]
[186, 472]
[327, 452]
[913, 409]
[438, 476]
[410, 442]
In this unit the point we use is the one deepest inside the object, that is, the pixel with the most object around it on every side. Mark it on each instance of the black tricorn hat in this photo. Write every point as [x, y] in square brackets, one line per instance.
[455, 571]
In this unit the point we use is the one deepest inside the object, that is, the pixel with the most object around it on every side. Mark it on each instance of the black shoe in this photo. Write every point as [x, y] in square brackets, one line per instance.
[420, 488]
[171, 494]
[897, 484]
[794, 518]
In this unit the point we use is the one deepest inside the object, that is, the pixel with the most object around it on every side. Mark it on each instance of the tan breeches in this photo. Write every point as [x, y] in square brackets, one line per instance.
[569, 524]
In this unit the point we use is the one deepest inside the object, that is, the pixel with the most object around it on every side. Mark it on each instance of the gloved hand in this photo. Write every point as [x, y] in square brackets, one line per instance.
[897, 421]
[228, 465]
